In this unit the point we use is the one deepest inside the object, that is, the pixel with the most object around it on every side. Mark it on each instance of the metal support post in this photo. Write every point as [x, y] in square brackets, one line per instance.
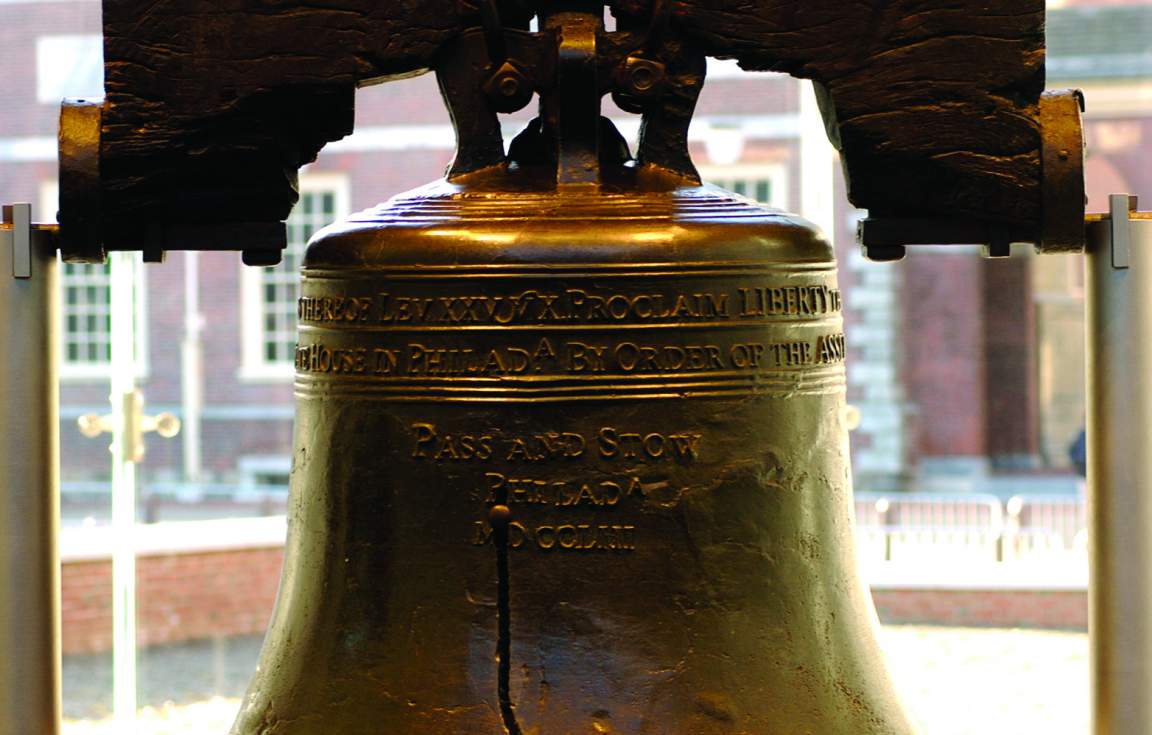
[127, 424]
[1119, 374]
[126, 447]
[29, 483]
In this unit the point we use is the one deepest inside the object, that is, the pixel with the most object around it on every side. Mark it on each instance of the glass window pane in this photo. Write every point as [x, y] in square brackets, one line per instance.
[763, 190]
[280, 289]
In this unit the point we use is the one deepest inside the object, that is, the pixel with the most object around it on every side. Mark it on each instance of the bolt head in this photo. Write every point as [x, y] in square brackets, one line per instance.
[638, 83]
[167, 425]
[640, 76]
[507, 89]
[509, 86]
[89, 425]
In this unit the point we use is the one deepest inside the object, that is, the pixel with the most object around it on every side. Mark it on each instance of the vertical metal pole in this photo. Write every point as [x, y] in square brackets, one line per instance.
[192, 367]
[125, 451]
[29, 482]
[1119, 374]
[817, 166]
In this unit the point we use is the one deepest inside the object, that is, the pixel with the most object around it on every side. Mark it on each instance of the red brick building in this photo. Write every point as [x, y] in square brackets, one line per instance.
[966, 371]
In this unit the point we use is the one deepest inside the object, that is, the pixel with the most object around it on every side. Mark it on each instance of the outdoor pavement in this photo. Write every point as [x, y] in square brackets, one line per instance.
[956, 681]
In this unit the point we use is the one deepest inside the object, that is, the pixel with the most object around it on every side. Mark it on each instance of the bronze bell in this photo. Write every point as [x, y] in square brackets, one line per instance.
[570, 455]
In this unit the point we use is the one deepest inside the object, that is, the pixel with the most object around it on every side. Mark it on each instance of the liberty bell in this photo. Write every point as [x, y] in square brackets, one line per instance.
[570, 453]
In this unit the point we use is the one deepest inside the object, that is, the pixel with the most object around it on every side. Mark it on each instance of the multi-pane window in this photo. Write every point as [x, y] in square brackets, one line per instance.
[86, 321]
[86, 314]
[766, 183]
[758, 189]
[271, 293]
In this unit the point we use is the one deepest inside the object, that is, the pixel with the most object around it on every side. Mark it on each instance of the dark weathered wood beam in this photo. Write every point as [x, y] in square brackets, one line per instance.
[934, 102]
[212, 105]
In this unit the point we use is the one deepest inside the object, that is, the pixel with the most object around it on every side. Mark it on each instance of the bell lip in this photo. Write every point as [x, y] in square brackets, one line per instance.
[446, 224]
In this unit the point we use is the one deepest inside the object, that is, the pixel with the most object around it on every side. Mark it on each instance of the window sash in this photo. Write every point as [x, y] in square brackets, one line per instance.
[85, 293]
[280, 284]
[271, 294]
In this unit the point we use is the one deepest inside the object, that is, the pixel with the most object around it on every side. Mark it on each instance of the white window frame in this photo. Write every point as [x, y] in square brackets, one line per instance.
[251, 465]
[775, 173]
[93, 371]
[254, 367]
[69, 65]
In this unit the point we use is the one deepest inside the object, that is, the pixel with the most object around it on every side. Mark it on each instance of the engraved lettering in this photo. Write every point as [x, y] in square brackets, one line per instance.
[654, 445]
[566, 536]
[627, 358]
[482, 534]
[583, 358]
[687, 446]
[630, 357]
[787, 301]
[714, 305]
[445, 361]
[386, 361]
[317, 358]
[333, 309]
[544, 351]
[830, 349]
[582, 537]
[555, 493]
[519, 450]
[746, 355]
[681, 447]
[574, 305]
[517, 535]
[518, 360]
[790, 354]
[546, 537]
[430, 444]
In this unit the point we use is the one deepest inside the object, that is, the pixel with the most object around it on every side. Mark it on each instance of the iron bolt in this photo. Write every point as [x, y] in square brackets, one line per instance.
[508, 90]
[639, 82]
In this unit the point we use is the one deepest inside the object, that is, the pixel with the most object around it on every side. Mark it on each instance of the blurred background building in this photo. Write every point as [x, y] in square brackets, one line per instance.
[968, 373]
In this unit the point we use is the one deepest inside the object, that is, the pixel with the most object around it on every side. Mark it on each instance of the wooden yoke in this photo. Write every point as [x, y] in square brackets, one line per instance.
[937, 108]
[211, 106]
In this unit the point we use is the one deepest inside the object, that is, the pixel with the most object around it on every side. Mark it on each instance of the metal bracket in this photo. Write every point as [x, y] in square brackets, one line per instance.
[136, 424]
[19, 217]
[1120, 239]
[1062, 168]
[18, 233]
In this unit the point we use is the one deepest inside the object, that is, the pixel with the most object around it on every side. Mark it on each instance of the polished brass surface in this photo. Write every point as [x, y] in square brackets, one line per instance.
[570, 461]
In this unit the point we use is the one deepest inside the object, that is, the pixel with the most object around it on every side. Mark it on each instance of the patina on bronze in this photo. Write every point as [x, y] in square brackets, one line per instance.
[570, 454]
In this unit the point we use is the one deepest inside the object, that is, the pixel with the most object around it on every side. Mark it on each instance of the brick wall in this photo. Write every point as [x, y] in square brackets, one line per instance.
[183, 596]
[943, 351]
[206, 579]
[992, 608]
[194, 580]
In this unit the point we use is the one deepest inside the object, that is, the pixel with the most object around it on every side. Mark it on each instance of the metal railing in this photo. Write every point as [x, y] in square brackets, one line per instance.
[173, 501]
[889, 526]
[937, 526]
